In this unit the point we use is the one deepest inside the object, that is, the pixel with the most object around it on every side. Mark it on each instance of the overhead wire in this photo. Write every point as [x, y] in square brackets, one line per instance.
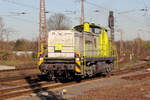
[20, 4]
[141, 24]
[96, 5]
[25, 5]
[91, 3]
[14, 16]
[125, 16]
[22, 19]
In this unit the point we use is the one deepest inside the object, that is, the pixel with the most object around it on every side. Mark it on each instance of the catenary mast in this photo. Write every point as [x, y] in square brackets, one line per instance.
[42, 25]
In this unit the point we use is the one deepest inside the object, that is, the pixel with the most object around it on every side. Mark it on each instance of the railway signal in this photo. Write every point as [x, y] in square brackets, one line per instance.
[111, 24]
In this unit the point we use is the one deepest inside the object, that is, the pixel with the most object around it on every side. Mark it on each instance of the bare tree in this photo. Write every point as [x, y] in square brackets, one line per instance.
[8, 33]
[2, 32]
[58, 22]
[5, 33]
[2, 29]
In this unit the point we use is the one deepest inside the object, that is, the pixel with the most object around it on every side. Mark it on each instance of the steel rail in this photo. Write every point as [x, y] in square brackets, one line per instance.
[19, 69]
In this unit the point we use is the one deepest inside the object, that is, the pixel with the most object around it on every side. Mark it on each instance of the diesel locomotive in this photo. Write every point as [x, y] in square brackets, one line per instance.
[84, 51]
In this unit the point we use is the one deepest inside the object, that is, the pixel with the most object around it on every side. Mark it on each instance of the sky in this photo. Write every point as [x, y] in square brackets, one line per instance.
[128, 16]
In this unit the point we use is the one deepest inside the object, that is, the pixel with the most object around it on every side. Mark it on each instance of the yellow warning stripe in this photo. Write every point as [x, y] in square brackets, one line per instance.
[40, 61]
[78, 62]
[148, 69]
[77, 68]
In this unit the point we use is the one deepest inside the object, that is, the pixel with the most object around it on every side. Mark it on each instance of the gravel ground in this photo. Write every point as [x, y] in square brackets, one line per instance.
[112, 88]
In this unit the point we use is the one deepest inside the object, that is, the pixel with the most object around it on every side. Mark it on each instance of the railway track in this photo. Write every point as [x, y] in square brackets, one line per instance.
[132, 69]
[26, 89]
[18, 74]
[37, 86]
[18, 69]
[19, 77]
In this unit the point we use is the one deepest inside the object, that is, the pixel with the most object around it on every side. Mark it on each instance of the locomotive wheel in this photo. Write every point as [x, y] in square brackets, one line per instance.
[101, 68]
[106, 69]
[49, 75]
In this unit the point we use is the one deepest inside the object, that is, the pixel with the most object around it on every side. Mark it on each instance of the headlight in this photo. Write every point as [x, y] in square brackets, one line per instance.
[78, 59]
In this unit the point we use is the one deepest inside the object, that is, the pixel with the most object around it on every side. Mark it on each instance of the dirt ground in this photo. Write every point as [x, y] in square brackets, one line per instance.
[136, 90]
[131, 86]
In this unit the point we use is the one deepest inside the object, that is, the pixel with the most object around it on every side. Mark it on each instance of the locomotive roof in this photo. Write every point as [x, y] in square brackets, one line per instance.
[91, 26]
